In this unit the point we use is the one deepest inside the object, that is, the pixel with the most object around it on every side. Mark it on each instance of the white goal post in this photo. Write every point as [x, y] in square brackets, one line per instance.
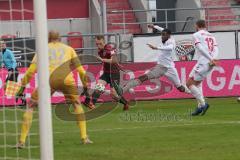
[44, 104]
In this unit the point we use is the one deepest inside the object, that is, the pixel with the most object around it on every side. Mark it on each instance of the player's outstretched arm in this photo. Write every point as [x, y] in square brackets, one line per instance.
[113, 59]
[156, 27]
[152, 46]
[26, 79]
[105, 60]
[83, 75]
[81, 71]
[169, 47]
[166, 48]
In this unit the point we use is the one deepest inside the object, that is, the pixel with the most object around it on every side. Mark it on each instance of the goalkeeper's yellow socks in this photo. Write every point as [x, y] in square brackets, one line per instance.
[81, 121]
[26, 124]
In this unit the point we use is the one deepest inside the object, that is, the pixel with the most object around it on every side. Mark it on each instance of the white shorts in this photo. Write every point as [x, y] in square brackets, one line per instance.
[200, 71]
[170, 72]
[172, 75]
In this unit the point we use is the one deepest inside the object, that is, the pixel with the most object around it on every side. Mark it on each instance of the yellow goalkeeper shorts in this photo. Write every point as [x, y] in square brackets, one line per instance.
[70, 92]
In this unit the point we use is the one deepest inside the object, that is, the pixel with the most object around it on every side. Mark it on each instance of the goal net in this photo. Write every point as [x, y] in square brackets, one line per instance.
[18, 32]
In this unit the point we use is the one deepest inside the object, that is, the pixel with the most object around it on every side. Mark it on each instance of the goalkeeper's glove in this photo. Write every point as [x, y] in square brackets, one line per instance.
[19, 94]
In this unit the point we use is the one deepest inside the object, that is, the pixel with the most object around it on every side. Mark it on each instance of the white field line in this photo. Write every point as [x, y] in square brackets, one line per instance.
[144, 127]
[159, 126]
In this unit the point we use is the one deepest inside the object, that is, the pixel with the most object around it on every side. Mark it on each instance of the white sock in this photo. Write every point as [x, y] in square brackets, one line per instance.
[201, 92]
[131, 84]
[186, 89]
[197, 94]
[200, 89]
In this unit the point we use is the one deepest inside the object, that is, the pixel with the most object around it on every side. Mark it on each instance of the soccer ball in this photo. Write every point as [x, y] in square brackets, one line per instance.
[238, 99]
[100, 87]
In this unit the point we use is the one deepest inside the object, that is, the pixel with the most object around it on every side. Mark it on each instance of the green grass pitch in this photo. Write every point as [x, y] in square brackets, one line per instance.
[152, 130]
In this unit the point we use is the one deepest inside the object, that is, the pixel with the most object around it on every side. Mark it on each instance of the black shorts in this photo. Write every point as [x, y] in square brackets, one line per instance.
[110, 78]
[12, 75]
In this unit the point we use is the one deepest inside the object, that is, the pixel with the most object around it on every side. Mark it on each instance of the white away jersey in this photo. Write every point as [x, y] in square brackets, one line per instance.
[166, 52]
[208, 42]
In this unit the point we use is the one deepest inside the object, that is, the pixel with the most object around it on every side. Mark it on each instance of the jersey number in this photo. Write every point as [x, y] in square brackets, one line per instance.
[210, 43]
[56, 56]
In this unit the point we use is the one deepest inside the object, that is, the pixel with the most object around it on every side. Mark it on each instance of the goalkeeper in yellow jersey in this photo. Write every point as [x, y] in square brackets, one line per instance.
[61, 60]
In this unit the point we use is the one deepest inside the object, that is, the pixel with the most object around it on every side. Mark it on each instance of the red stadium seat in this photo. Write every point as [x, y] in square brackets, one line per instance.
[219, 16]
[116, 5]
[75, 39]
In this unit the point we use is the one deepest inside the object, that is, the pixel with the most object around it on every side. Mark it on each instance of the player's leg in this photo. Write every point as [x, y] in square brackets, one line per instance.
[155, 72]
[15, 75]
[27, 119]
[9, 75]
[172, 75]
[71, 95]
[25, 127]
[119, 99]
[97, 93]
[196, 92]
[133, 83]
[114, 84]
[199, 72]
[200, 91]
[15, 79]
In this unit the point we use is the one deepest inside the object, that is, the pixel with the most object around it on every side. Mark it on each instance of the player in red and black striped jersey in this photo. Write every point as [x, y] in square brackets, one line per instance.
[111, 73]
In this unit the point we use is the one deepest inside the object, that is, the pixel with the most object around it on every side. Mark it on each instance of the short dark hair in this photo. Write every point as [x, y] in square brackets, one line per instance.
[168, 31]
[201, 23]
[99, 37]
